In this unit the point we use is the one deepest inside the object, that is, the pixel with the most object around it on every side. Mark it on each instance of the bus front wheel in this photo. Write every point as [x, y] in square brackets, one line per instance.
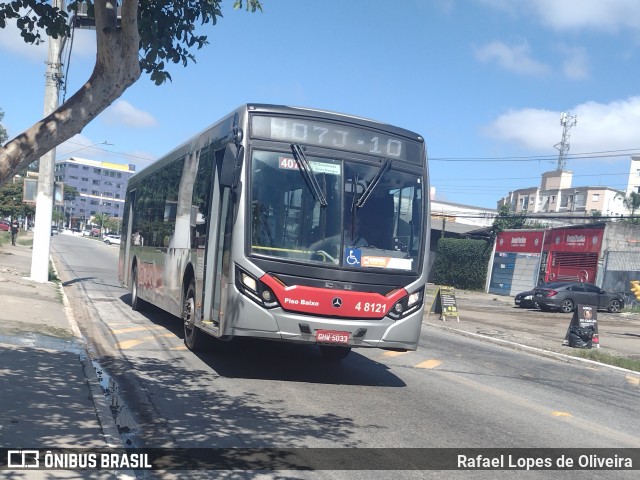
[334, 353]
[192, 335]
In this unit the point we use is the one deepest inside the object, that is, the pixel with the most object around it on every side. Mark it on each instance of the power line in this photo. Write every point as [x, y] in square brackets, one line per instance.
[542, 158]
[497, 179]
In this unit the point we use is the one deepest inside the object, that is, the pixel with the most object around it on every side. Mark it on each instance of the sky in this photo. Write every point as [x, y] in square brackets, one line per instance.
[483, 81]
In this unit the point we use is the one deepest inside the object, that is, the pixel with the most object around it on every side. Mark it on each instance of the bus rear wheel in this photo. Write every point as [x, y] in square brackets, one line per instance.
[334, 353]
[192, 335]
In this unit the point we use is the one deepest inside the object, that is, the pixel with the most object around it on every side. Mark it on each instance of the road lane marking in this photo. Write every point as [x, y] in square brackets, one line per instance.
[179, 347]
[633, 380]
[133, 343]
[599, 429]
[394, 354]
[561, 414]
[429, 364]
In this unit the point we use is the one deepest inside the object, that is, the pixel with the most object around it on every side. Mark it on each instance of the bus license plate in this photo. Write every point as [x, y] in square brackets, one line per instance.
[332, 336]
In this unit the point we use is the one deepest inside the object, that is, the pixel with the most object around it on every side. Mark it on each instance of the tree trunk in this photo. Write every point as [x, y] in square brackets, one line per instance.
[116, 69]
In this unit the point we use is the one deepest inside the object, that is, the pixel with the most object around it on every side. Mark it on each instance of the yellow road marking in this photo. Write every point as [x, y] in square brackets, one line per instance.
[561, 414]
[633, 380]
[393, 354]
[429, 364]
[136, 329]
[179, 347]
[132, 343]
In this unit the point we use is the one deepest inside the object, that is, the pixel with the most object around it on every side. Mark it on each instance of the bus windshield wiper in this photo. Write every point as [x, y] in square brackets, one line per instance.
[365, 195]
[307, 174]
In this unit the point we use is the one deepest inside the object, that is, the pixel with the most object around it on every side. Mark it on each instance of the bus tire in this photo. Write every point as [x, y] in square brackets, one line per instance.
[193, 337]
[334, 353]
[137, 304]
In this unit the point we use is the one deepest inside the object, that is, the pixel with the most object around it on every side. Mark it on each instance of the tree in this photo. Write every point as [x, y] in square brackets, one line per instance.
[11, 204]
[632, 203]
[148, 35]
[69, 193]
[505, 220]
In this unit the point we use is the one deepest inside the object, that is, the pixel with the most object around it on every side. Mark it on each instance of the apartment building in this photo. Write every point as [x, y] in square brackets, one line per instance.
[634, 176]
[556, 195]
[101, 187]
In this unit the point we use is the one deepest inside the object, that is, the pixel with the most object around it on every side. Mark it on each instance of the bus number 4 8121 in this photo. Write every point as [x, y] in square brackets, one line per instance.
[370, 307]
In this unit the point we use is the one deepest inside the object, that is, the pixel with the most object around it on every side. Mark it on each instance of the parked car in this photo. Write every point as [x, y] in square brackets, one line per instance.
[564, 296]
[112, 239]
[525, 300]
[5, 225]
[54, 230]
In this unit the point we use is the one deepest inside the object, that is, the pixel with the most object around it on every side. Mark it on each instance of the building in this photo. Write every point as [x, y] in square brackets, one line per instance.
[101, 187]
[605, 254]
[634, 176]
[556, 196]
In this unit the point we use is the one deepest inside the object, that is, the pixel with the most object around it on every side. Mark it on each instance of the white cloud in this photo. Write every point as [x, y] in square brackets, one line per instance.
[600, 127]
[123, 113]
[573, 15]
[515, 58]
[12, 42]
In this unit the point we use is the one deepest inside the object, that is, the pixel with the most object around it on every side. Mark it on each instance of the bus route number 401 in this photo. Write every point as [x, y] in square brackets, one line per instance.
[332, 336]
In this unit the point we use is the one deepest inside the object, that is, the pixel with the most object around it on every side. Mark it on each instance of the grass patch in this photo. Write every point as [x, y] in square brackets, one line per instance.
[597, 355]
[22, 239]
[53, 276]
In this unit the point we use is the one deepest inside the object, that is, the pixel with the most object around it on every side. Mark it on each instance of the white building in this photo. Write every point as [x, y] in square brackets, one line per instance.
[634, 176]
[556, 195]
[101, 186]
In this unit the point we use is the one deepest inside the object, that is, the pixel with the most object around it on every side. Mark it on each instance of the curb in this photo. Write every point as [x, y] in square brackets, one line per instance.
[103, 413]
[538, 351]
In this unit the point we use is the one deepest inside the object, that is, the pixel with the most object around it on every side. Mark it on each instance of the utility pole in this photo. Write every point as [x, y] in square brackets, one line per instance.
[567, 122]
[44, 200]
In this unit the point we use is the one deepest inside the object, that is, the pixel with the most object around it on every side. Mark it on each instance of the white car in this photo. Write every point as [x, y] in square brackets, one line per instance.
[112, 239]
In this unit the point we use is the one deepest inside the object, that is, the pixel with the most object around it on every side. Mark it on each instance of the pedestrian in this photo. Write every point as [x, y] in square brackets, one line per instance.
[14, 231]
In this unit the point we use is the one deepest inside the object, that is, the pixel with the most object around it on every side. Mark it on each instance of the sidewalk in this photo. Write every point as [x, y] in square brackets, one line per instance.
[50, 396]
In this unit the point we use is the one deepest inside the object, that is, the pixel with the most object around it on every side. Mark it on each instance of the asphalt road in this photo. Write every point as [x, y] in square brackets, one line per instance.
[453, 392]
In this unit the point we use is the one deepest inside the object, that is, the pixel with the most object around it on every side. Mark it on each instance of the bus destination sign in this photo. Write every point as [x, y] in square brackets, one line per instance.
[341, 136]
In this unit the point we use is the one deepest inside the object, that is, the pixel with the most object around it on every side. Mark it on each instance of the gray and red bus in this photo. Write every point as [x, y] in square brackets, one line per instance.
[287, 224]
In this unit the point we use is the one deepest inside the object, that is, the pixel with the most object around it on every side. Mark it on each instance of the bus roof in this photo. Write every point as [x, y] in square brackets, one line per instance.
[273, 109]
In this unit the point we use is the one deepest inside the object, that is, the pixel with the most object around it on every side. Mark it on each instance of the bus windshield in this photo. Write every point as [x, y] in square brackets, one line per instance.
[350, 215]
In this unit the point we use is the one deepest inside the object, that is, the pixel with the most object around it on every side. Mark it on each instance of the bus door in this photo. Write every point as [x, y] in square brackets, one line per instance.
[217, 262]
[126, 238]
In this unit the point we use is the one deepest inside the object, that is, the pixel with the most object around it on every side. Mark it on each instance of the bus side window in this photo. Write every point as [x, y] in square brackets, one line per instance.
[201, 200]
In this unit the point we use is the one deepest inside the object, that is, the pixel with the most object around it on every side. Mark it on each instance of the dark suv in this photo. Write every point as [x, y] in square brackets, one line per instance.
[564, 296]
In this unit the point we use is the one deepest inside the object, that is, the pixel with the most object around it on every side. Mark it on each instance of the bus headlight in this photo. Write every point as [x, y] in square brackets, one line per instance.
[407, 305]
[255, 289]
[414, 297]
[249, 281]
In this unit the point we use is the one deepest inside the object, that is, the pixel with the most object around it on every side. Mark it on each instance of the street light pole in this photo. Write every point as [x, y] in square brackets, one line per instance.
[44, 200]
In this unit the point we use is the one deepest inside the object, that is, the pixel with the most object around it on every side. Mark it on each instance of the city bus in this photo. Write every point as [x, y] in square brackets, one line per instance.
[288, 224]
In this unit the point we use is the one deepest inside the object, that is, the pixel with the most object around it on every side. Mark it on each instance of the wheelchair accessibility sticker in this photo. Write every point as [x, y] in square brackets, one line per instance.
[353, 257]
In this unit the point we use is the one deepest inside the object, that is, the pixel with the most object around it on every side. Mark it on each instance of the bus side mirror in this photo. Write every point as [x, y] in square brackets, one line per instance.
[231, 166]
